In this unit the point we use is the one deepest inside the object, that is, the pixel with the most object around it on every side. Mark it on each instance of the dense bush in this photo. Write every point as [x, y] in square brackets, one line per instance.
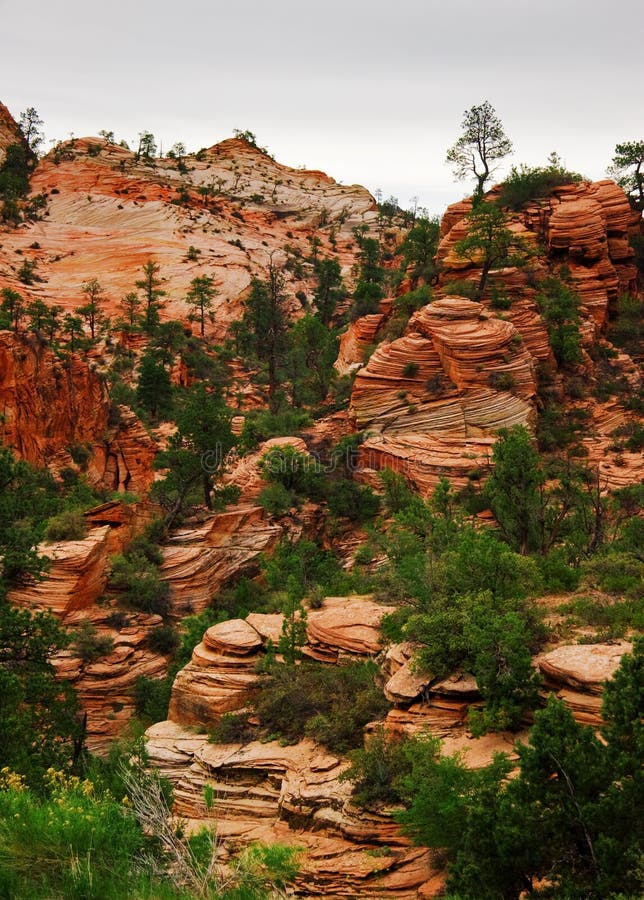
[233, 728]
[559, 306]
[68, 525]
[352, 501]
[89, 644]
[529, 183]
[276, 499]
[299, 567]
[164, 640]
[260, 425]
[138, 581]
[615, 573]
[612, 615]
[491, 637]
[328, 703]
[152, 698]
[295, 471]
[407, 304]
[376, 769]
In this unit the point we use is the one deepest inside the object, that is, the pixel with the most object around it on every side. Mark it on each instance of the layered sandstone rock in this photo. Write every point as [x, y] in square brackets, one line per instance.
[125, 461]
[199, 560]
[108, 213]
[292, 794]
[345, 625]
[105, 685]
[265, 791]
[222, 673]
[583, 666]
[76, 576]
[356, 342]
[47, 405]
[432, 400]
[576, 674]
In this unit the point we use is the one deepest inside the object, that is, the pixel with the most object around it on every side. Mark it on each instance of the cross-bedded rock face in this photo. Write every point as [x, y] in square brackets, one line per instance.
[432, 400]
[9, 132]
[226, 212]
[48, 406]
[267, 791]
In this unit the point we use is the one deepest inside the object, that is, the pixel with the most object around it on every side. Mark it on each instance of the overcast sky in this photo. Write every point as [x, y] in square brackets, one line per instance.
[370, 92]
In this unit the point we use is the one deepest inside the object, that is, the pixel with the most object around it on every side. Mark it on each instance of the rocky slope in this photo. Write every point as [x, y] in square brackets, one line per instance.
[292, 794]
[432, 401]
[270, 792]
[108, 213]
[50, 406]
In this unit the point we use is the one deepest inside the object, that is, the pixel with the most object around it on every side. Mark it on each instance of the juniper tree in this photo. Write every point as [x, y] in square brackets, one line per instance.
[200, 296]
[481, 145]
[152, 294]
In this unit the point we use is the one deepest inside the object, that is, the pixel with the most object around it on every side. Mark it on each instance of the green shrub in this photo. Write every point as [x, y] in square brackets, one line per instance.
[407, 304]
[260, 425]
[276, 499]
[352, 501]
[89, 644]
[142, 546]
[499, 298]
[377, 769]
[410, 370]
[121, 394]
[299, 567]
[163, 639]
[501, 381]
[152, 698]
[328, 703]
[233, 728]
[491, 636]
[398, 495]
[528, 183]
[68, 525]
[610, 613]
[81, 454]
[137, 578]
[556, 571]
[294, 470]
[627, 329]
[366, 300]
[559, 305]
[615, 573]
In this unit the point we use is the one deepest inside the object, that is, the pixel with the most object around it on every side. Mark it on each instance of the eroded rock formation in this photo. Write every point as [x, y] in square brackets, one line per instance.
[222, 213]
[50, 406]
[432, 401]
[265, 791]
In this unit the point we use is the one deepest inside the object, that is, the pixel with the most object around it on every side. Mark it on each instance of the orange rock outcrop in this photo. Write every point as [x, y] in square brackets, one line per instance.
[225, 212]
[265, 791]
[49, 406]
[432, 400]
[9, 131]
